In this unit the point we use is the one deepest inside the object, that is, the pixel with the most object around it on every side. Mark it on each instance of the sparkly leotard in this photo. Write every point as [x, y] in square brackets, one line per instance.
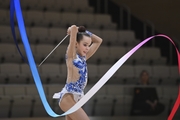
[76, 88]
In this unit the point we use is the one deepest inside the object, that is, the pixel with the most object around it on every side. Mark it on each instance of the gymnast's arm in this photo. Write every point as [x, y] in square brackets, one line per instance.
[96, 42]
[72, 31]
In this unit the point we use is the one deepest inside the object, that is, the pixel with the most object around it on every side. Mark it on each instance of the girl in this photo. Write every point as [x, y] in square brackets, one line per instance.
[82, 45]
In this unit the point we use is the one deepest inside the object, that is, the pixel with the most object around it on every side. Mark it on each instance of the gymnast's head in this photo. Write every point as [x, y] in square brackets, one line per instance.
[83, 41]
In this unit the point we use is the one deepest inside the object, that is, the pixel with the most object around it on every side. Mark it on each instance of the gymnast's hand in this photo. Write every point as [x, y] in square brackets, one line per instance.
[73, 27]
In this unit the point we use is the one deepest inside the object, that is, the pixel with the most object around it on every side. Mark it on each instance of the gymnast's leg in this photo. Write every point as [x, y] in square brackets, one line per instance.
[68, 118]
[66, 103]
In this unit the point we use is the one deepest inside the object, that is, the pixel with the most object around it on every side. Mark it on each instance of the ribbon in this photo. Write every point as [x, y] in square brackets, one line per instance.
[31, 62]
[175, 107]
[97, 86]
[13, 29]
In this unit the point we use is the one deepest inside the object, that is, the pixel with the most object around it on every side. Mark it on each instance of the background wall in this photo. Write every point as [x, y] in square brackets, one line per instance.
[163, 13]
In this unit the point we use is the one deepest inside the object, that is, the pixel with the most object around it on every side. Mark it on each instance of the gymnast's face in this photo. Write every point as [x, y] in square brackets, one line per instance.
[83, 46]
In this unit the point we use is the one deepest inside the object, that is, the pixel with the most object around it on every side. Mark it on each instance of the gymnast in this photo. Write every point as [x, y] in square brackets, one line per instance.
[82, 45]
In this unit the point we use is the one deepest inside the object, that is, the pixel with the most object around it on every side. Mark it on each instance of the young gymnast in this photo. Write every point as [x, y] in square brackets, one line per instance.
[82, 45]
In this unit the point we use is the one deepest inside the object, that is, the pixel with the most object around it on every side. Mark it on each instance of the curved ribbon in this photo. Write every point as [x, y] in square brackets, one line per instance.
[97, 86]
[13, 29]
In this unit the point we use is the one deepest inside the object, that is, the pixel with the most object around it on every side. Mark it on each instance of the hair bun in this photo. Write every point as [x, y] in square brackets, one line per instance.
[81, 29]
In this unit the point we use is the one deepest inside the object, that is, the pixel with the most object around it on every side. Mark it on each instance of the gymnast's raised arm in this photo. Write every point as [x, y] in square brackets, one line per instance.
[96, 42]
[72, 31]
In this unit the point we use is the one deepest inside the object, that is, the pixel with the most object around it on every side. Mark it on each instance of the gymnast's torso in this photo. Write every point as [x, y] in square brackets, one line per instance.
[76, 78]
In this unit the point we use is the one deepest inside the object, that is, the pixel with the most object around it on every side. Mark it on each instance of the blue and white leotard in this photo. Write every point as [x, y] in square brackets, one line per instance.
[77, 87]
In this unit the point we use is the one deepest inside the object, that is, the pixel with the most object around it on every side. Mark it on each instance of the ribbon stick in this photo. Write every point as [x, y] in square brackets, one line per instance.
[53, 50]
[97, 86]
